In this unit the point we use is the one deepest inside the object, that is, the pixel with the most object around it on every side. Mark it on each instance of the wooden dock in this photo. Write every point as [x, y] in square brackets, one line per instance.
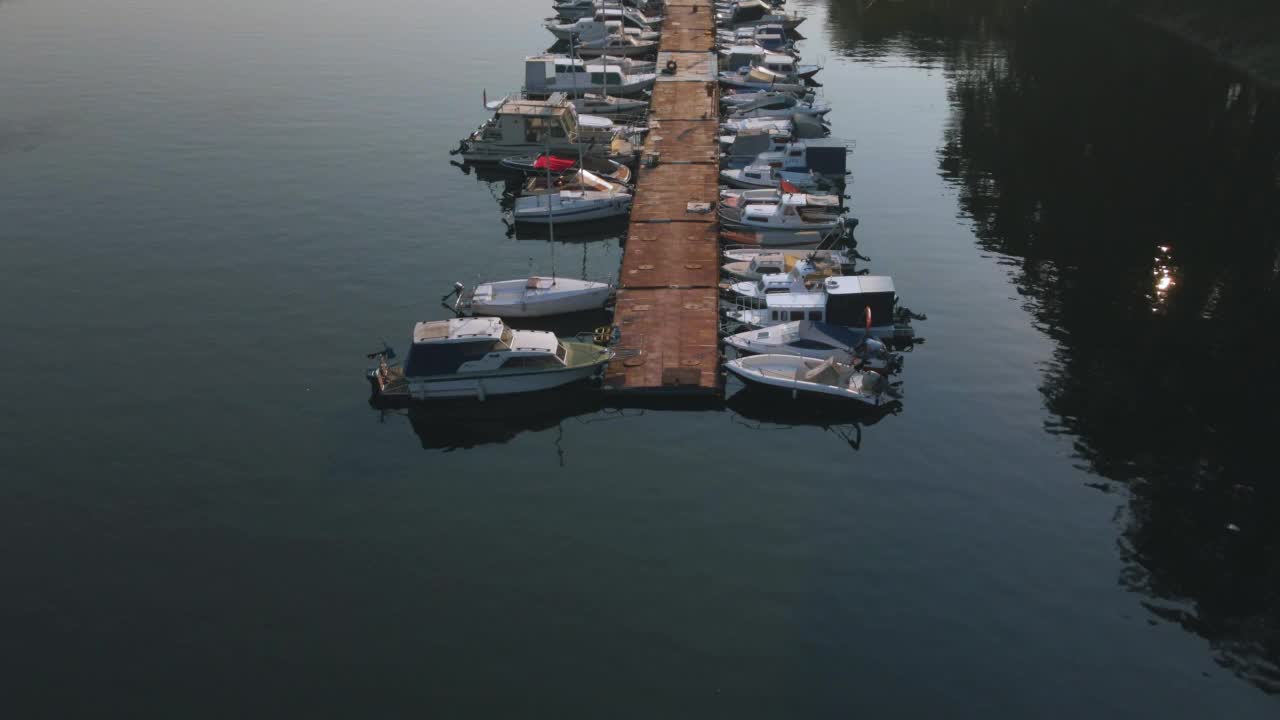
[668, 299]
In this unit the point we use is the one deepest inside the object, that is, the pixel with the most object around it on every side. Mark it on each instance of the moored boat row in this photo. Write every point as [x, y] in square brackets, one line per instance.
[807, 319]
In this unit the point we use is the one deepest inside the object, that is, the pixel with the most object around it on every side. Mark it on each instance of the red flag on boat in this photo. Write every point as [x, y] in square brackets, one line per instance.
[789, 188]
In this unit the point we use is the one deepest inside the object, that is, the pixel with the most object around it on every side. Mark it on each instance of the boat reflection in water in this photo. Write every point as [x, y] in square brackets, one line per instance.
[464, 425]
[764, 410]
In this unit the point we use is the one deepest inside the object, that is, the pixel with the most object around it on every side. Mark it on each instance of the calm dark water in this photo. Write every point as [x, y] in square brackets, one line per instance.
[210, 212]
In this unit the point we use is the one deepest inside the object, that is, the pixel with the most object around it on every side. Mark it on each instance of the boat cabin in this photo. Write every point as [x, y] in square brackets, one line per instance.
[524, 121]
[778, 63]
[741, 56]
[629, 17]
[465, 345]
[543, 74]
[844, 302]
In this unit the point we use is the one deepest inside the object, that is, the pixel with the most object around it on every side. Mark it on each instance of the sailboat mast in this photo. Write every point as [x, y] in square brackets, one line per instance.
[573, 63]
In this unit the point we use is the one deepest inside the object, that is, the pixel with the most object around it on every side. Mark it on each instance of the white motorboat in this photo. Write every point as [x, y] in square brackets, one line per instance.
[843, 300]
[773, 104]
[533, 297]
[813, 377]
[771, 37]
[610, 105]
[740, 198]
[786, 238]
[593, 28]
[746, 254]
[804, 276]
[574, 9]
[571, 206]
[480, 357]
[547, 74]
[819, 341]
[797, 126]
[792, 211]
[754, 12]
[523, 126]
[772, 262]
[615, 44]
[758, 78]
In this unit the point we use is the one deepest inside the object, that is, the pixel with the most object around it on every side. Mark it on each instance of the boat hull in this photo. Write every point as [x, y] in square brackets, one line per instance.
[499, 384]
[583, 301]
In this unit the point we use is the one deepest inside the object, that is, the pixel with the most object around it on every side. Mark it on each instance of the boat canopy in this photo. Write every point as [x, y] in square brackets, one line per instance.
[557, 164]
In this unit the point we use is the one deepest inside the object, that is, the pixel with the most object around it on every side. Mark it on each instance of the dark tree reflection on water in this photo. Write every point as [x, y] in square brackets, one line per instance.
[1132, 186]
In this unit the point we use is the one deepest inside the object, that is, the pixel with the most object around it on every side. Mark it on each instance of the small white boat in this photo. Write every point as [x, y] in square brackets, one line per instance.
[572, 180]
[804, 276]
[819, 341]
[616, 43]
[792, 211]
[762, 264]
[757, 254]
[758, 78]
[813, 377]
[534, 297]
[610, 105]
[480, 357]
[773, 104]
[786, 238]
[738, 197]
[571, 206]
[593, 28]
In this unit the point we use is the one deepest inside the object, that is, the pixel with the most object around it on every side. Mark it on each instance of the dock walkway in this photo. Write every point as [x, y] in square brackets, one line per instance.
[668, 299]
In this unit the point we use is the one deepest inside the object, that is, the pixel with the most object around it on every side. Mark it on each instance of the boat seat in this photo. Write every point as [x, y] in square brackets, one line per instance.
[539, 283]
[824, 373]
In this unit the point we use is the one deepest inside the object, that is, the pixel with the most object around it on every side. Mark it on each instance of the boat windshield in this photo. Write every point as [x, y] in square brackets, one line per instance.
[507, 335]
[561, 353]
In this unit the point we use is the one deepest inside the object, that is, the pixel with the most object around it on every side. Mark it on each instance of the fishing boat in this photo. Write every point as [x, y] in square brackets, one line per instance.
[842, 300]
[571, 206]
[771, 262]
[532, 297]
[811, 377]
[524, 126]
[482, 357]
[819, 341]
[547, 74]
[792, 211]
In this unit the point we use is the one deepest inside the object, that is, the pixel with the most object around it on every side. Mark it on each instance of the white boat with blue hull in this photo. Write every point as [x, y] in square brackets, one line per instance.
[481, 357]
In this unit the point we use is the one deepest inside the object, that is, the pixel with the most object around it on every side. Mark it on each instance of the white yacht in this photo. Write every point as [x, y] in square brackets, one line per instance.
[479, 357]
[819, 341]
